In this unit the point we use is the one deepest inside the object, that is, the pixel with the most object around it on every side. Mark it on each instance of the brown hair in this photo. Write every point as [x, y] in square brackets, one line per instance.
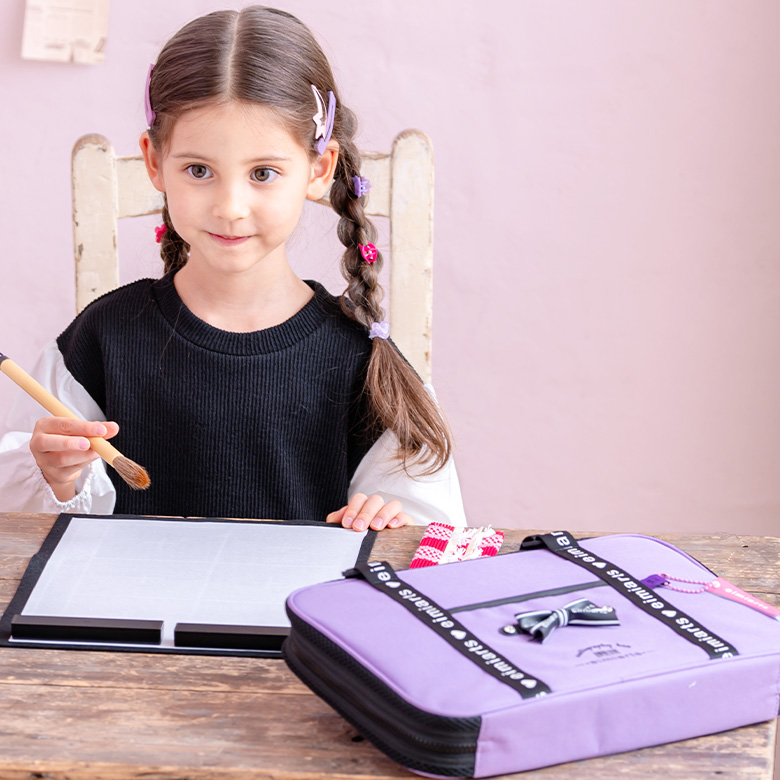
[262, 55]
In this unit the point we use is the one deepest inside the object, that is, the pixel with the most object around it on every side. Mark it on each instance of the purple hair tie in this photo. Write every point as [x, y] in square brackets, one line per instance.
[360, 186]
[324, 129]
[379, 330]
[150, 115]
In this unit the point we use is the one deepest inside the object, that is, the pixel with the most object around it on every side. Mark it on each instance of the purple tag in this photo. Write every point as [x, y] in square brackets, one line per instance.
[654, 581]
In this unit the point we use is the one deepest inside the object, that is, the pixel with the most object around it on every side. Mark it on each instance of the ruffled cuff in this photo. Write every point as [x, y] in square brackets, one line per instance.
[81, 503]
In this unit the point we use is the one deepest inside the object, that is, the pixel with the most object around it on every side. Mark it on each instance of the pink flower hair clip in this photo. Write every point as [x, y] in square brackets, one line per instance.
[159, 232]
[368, 251]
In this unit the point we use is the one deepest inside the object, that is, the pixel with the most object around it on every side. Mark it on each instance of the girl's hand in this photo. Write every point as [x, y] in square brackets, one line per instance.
[61, 449]
[362, 512]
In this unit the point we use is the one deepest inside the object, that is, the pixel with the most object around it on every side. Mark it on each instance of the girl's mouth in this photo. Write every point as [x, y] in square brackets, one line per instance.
[229, 240]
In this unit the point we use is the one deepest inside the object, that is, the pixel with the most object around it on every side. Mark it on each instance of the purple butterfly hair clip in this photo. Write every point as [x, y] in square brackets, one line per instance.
[360, 186]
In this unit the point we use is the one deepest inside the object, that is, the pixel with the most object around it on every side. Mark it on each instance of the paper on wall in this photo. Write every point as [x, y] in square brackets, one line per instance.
[65, 30]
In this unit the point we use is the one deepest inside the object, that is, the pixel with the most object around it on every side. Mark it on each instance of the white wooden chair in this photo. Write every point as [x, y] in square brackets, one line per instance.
[107, 188]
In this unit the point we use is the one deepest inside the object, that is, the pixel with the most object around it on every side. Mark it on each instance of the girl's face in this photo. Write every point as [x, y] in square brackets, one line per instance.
[236, 181]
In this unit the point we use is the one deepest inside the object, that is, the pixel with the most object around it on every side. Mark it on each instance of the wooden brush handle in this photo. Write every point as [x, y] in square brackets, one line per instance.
[53, 405]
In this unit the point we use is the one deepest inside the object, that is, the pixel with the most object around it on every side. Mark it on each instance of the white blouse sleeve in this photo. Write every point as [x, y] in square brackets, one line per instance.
[22, 485]
[426, 498]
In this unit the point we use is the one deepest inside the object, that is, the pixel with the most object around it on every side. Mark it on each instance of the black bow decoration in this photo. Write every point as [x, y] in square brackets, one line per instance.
[541, 623]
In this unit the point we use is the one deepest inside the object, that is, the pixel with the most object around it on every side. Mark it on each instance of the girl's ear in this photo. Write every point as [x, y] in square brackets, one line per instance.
[153, 161]
[323, 170]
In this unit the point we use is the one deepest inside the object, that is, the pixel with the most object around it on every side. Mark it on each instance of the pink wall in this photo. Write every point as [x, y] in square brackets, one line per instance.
[607, 295]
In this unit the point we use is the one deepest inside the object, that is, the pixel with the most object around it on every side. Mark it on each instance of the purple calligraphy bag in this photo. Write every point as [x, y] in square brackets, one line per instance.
[478, 668]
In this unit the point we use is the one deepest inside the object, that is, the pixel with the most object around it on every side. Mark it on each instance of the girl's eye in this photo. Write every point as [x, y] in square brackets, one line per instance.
[264, 175]
[198, 171]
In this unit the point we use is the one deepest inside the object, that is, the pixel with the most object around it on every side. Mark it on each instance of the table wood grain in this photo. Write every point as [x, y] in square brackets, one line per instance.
[71, 715]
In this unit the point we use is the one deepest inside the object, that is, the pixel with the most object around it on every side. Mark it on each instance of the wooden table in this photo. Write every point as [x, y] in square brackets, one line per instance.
[79, 714]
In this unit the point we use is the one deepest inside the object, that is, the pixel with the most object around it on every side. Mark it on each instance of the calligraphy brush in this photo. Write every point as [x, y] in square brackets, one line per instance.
[135, 475]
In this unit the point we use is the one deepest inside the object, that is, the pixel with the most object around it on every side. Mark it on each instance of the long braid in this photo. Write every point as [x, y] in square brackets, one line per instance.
[362, 298]
[397, 397]
[173, 248]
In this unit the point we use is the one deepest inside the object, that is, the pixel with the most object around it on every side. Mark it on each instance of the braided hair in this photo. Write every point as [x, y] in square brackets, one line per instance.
[266, 56]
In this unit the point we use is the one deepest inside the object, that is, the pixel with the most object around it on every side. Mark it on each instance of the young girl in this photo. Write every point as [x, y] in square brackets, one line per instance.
[243, 390]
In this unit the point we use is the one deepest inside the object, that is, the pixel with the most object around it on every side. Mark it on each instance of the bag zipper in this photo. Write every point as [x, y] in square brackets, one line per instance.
[529, 596]
[414, 738]
[663, 543]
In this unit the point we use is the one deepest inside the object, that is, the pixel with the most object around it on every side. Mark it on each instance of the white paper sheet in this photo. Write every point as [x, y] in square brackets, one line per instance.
[235, 573]
[65, 30]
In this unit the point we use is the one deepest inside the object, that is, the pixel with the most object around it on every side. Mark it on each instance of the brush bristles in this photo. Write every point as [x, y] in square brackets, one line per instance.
[132, 473]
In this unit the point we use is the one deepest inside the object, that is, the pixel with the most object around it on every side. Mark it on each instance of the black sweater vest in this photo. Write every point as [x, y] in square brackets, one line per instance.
[270, 424]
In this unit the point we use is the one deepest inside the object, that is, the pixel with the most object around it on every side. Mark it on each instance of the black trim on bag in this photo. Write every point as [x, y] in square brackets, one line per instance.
[563, 544]
[417, 739]
[382, 576]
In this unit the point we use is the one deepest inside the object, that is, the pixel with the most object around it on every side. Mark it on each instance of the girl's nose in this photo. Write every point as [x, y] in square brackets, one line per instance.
[232, 202]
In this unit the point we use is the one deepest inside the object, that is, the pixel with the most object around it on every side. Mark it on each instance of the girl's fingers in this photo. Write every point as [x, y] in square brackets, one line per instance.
[61, 447]
[336, 517]
[65, 426]
[385, 514]
[51, 443]
[399, 520]
[355, 505]
[61, 434]
[366, 514]
[112, 429]
[370, 512]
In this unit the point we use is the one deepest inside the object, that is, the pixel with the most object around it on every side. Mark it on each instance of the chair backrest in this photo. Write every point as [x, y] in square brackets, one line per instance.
[107, 188]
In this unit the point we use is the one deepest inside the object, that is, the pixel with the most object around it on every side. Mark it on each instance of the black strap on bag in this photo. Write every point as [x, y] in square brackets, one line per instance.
[382, 576]
[564, 545]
